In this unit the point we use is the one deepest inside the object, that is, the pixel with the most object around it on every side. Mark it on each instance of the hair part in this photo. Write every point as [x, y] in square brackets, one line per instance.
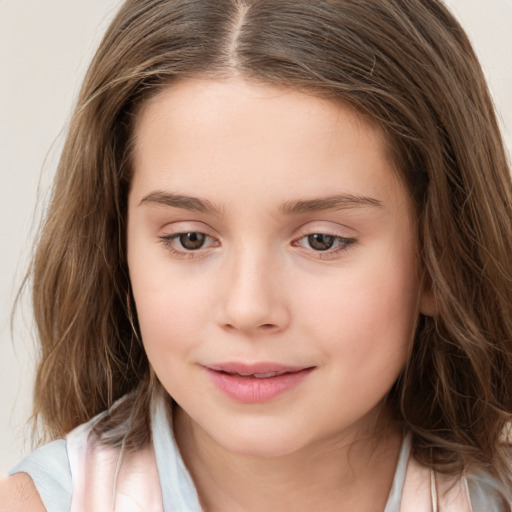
[407, 66]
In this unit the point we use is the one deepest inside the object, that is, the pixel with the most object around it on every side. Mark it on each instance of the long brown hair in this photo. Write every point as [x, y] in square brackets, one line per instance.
[405, 64]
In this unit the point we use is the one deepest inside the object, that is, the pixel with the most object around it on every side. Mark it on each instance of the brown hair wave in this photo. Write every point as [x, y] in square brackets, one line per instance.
[406, 65]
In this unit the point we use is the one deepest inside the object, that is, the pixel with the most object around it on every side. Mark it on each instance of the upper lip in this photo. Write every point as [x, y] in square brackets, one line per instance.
[261, 368]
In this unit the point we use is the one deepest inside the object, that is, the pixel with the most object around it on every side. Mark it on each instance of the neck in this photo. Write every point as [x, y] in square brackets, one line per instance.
[347, 472]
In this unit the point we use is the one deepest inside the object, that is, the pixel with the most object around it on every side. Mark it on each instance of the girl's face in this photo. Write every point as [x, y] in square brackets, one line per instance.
[272, 258]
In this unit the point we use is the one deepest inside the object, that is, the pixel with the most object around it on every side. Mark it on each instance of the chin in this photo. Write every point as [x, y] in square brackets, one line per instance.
[261, 439]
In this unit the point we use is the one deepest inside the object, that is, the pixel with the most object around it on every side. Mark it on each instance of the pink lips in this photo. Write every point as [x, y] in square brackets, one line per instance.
[255, 383]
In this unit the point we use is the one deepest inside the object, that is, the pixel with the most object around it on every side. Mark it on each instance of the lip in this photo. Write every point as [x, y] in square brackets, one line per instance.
[257, 382]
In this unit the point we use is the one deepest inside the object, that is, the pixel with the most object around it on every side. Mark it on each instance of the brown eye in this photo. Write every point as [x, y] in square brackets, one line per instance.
[192, 241]
[320, 241]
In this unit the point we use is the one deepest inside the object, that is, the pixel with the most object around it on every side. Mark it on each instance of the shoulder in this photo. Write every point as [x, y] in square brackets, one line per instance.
[45, 472]
[18, 493]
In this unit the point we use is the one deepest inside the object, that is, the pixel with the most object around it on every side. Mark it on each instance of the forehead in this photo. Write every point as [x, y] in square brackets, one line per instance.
[230, 136]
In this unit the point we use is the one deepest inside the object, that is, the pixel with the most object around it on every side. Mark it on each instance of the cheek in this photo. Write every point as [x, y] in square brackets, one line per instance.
[367, 315]
[170, 323]
[167, 312]
[166, 299]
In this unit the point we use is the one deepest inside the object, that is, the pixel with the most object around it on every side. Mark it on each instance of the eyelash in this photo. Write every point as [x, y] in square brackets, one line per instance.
[344, 244]
[185, 253]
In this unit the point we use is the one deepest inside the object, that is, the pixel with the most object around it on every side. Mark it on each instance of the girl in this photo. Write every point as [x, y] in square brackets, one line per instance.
[275, 273]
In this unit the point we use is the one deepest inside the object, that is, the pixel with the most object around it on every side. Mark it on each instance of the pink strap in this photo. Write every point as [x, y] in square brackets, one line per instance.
[107, 480]
[427, 491]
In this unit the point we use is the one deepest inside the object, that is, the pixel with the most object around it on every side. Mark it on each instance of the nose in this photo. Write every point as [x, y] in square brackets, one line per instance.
[253, 296]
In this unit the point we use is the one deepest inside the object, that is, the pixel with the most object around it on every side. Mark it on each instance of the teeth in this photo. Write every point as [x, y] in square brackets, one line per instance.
[261, 375]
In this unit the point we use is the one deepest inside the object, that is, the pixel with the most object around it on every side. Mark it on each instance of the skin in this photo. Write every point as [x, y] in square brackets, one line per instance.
[18, 494]
[258, 158]
[257, 290]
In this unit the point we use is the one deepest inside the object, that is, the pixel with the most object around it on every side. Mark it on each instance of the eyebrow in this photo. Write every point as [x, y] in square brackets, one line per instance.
[180, 201]
[334, 202]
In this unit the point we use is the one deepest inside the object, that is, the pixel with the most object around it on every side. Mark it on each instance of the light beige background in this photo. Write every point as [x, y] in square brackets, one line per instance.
[45, 47]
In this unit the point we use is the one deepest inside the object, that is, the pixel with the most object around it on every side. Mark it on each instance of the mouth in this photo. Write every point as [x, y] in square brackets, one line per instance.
[258, 375]
[256, 383]
[261, 370]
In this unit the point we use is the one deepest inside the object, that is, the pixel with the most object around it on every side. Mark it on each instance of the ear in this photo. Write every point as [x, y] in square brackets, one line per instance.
[428, 304]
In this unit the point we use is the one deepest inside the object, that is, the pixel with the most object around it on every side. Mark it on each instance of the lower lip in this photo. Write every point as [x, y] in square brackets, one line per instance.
[251, 390]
